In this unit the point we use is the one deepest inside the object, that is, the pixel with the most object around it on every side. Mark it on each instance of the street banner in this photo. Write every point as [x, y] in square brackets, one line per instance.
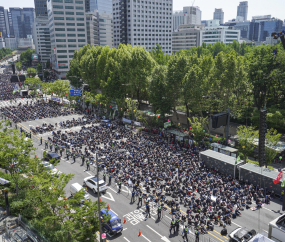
[167, 124]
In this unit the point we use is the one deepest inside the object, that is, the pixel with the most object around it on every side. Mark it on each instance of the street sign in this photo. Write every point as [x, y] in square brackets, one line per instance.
[75, 92]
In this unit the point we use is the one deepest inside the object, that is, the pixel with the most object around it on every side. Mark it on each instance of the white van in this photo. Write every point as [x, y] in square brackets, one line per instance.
[76, 187]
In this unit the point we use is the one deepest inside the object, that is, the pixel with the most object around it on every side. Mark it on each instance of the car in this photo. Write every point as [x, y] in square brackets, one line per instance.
[241, 235]
[91, 182]
[113, 225]
[76, 187]
[49, 166]
[52, 155]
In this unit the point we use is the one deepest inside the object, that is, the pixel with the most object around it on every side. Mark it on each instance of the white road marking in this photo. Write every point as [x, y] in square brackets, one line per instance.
[112, 189]
[236, 224]
[146, 238]
[125, 229]
[126, 239]
[265, 231]
[267, 209]
[109, 198]
[167, 217]
[88, 173]
[114, 212]
[154, 231]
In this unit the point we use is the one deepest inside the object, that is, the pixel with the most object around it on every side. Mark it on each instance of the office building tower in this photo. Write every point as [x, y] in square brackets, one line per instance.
[143, 23]
[186, 37]
[40, 7]
[4, 22]
[22, 22]
[67, 28]
[92, 28]
[225, 34]
[41, 38]
[244, 28]
[242, 10]
[2, 43]
[11, 43]
[102, 6]
[219, 15]
[189, 15]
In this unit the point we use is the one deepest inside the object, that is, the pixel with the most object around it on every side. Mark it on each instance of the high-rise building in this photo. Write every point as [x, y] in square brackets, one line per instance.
[41, 38]
[186, 37]
[4, 22]
[242, 10]
[41, 7]
[189, 15]
[92, 28]
[143, 23]
[67, 26]
[225, 34]
[102, 6]
[219, 15]
[22, 22]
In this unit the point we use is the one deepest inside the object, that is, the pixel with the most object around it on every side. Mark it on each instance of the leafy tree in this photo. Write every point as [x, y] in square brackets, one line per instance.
[60, 87]
[26, 57]
[46, 74]
[33, 83]
[246, 136]
[31, 72]
[158, 55]
[39, 68]
[271, 142]
[48, 64]
[18, 65]
[198, 125]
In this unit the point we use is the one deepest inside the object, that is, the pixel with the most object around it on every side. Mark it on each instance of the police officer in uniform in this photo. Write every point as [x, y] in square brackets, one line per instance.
[185, 233]
[197, 235]
[83, 159]
[133, 196]
[60, 151]
[110, 179]
[140, 200]
[46, 145]
[50, 146]
[67, 154]
[73, 158]
[159, 211]
[172, 225]
[177, 221]
[104, 177]
[119, 185]
[147, 210]
[88, 167]
[41, 140]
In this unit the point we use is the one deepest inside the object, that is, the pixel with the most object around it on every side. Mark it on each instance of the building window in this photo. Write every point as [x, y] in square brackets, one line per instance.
[58, 18]
[62, 67]
[68, 1]
[79, 2]
[61, 51]
[70, 24]
[57, 1]
[62, 62]
[60, 46]
[61, 56]
[79, 13]
[58, 12]
[71, 35]
[60, 40]
[72, 46]
[69, 13]
[80, 24]
[69, 18]
[58, 6]
[59, 29]
[81, 35]
[80, 45]
[71, 40]
[79, 8]
[59, 24]
[71, 51]
[70, 29]
[69, 7]
[60, 35]
[81, 40]
[81, 30]
[80, 19]
[71, 56]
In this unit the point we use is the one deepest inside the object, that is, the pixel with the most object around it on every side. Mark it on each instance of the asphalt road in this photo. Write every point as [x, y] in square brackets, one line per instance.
[152, 229]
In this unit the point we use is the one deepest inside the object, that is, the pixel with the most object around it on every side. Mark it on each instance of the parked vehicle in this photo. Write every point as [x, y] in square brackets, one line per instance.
[76, 187]
[114, 224]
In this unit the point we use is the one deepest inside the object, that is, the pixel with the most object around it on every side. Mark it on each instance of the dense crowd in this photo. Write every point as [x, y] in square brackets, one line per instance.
[172, 173]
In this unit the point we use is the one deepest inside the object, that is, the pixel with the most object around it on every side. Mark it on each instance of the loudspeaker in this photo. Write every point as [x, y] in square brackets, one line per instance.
[220, 119]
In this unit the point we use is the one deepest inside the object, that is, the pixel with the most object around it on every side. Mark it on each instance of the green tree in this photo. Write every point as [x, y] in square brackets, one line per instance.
[26, 57]
[39, 68]
[19, 65]
[246, 137]
[158, 55]
[198, 125]
[60, 88]
[33, 82]
[271, 143]
[31, 72]
[48, 64]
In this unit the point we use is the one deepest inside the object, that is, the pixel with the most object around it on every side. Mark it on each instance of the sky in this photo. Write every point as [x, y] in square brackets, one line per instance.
[255, 7]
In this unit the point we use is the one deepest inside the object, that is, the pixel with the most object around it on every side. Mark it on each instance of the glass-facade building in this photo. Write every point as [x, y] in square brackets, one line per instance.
[102, 6]
[219, 15]
[242, 10]
[41, 7]
[4, 22]
[22, 21]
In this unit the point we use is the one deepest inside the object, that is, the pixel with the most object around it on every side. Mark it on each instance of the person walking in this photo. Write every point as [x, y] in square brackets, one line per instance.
[46, 145]
[197, 235]
[110, 179]
[60, 151]
[73, 158]
[41, 140]
[50, 146]
[83, 159]
[104, 177]
[147, 210]
[67, 154]
[120, 186]
[140, 200]
[177, 221]
[88, 167]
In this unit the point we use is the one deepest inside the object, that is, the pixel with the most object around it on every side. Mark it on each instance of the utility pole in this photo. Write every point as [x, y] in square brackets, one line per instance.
[98, 196]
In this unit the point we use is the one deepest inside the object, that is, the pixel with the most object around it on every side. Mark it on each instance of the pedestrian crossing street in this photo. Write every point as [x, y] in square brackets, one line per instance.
[8, 103]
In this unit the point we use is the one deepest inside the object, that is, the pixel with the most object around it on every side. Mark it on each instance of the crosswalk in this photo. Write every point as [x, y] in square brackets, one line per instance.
[8, 103]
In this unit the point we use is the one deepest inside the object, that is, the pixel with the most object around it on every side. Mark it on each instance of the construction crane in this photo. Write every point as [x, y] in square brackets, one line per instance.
[193, 3]
[279, 35]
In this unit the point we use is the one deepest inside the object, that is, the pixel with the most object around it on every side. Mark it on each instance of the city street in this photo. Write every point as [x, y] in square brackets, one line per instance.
[152, 229]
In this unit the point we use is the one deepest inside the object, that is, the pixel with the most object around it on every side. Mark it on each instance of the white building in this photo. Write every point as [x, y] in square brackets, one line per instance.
[92, 28]
[67, 26]
[219, 15]
[26, 43]
[143, 23]
[186, 37]
[2, 43]
[11, 43]
[189, 15]
[41, 38]
[225, 34]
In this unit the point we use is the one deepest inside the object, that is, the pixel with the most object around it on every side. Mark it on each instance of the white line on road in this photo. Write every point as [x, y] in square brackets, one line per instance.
[126, 239]
[267, 209]
[265, 231]
[236, 224]
[146, 238]
[154, 231]
[112, 189]
[125, 229]
[114, 212]
[88, 173]
[167, 217]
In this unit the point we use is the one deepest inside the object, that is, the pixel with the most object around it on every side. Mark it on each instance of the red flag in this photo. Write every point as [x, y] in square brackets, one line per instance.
[278, 178]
